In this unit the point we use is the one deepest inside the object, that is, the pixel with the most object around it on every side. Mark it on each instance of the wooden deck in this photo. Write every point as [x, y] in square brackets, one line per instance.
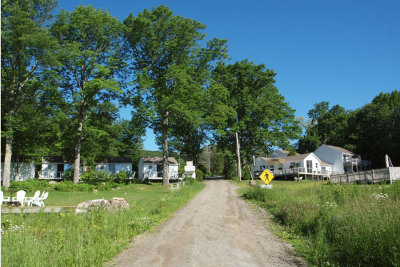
[371, 176]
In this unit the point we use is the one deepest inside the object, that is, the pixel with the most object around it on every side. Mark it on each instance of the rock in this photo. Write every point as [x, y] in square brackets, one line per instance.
[252, 183]
[114, 204]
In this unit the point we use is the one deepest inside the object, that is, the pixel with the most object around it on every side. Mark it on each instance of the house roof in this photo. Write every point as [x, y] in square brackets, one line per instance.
[53, 159]
[325, 163]
[287, 159]
[297, 157]
[340, 149]
[119, 159]
[171, 160]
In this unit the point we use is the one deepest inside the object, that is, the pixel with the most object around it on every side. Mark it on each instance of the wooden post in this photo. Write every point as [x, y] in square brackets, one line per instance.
[239, 168]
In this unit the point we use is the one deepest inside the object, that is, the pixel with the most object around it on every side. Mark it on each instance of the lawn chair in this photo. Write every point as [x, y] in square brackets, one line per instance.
[20, 197]
[3, 198]
[29, 200]
[40, 201]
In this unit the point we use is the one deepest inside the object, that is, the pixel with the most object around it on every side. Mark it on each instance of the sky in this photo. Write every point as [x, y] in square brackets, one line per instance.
[342, 51]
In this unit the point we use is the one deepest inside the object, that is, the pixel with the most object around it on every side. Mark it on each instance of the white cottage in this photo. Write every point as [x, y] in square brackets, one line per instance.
[53, 167]
[151, 168]
[301, 164]
[20, 171]
[342, 160]
[114, 165]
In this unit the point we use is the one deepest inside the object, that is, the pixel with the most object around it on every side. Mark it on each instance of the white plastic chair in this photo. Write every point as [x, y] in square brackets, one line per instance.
[29, 200]
[40, 201]
[3, 198]
[20, 197]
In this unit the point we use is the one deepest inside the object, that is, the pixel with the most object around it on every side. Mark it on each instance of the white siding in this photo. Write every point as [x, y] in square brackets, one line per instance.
[22, 171]
[259, 165]
[331, 156]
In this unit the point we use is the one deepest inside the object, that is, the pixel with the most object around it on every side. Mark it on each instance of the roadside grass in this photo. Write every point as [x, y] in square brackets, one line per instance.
[335, 225]
[89, 239]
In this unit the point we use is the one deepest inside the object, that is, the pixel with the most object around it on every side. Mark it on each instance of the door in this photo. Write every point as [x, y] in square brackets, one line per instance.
[309, 166]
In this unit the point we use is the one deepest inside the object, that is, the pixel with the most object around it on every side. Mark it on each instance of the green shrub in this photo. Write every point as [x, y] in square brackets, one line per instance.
[121, 177]
[68, 175]
[96, 177]
[69, 186]
[199, 175]
[29, 185]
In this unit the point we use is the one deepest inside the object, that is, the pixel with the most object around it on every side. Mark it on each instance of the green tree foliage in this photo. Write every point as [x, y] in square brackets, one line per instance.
[92, 59]
[375, 129]
[262, 118]
[171, 68]
[26, 49]
[327, 126]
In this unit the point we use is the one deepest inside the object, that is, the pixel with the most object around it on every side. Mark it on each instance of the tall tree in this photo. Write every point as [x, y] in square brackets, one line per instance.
[26, 47]
[374, 129]
[170, 65]
[262, 118]
[327, 126]
[92, 61]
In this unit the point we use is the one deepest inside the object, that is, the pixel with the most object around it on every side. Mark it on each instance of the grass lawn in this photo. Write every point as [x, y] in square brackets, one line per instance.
[88, 239]
[138, 194]
[335, 225]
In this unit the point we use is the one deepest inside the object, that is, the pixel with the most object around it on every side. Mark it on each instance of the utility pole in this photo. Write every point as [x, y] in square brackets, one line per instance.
[209, 159]
[239, 168]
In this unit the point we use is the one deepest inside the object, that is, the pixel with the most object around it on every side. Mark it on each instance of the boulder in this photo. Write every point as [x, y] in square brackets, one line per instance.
[114, 204]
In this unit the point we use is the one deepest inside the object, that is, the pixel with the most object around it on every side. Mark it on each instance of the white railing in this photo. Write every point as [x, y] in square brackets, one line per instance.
[301, 170]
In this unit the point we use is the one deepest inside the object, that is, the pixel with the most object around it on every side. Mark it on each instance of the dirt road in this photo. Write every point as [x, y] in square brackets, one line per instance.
[217, 228]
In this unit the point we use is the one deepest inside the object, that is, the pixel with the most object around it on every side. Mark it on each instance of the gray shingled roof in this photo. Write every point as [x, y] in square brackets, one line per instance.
[340, 149]
[171, 160]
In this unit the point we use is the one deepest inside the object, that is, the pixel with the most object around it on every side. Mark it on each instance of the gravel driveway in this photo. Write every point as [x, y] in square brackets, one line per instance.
[217, 228]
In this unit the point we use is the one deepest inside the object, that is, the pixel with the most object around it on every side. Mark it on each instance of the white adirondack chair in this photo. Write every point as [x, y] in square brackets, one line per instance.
[3, 198]
[40, 201]
[29, 200]
[20, 197]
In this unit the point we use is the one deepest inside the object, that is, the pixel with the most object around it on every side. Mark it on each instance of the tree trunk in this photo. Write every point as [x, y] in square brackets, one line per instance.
[165, 148]
[77, 158]
[239, 168]
[7, 162]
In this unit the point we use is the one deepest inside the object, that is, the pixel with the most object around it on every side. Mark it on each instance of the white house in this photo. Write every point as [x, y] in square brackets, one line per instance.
[53, 167]
[190, 170]
[301, 164]
[342, 160]
[115, 164]
[151, 168]
[20, 171]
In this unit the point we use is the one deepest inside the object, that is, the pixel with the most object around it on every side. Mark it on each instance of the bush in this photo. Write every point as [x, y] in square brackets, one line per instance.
[69, 186]
[121, 177]
[68, 175]
[199, 175]
[96, 177]
[28, 185]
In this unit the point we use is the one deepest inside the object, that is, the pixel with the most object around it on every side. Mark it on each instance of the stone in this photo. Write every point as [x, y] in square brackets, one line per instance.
[252, 183]
[115, 204]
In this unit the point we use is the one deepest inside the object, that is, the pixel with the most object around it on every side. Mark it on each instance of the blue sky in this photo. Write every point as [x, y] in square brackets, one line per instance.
[344, 52]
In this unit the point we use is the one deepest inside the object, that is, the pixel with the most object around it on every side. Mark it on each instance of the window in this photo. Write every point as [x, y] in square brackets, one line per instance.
[112, 168]
[292, 165]
[271, 168]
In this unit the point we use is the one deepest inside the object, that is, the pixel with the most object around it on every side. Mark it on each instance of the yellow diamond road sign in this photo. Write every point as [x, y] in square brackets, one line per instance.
[266, 176]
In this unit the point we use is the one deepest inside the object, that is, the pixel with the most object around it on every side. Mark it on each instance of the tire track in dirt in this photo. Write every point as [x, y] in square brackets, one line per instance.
[217, 228]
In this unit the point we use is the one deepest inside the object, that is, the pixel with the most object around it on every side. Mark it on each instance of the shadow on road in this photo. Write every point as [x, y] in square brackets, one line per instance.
[214, 178]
